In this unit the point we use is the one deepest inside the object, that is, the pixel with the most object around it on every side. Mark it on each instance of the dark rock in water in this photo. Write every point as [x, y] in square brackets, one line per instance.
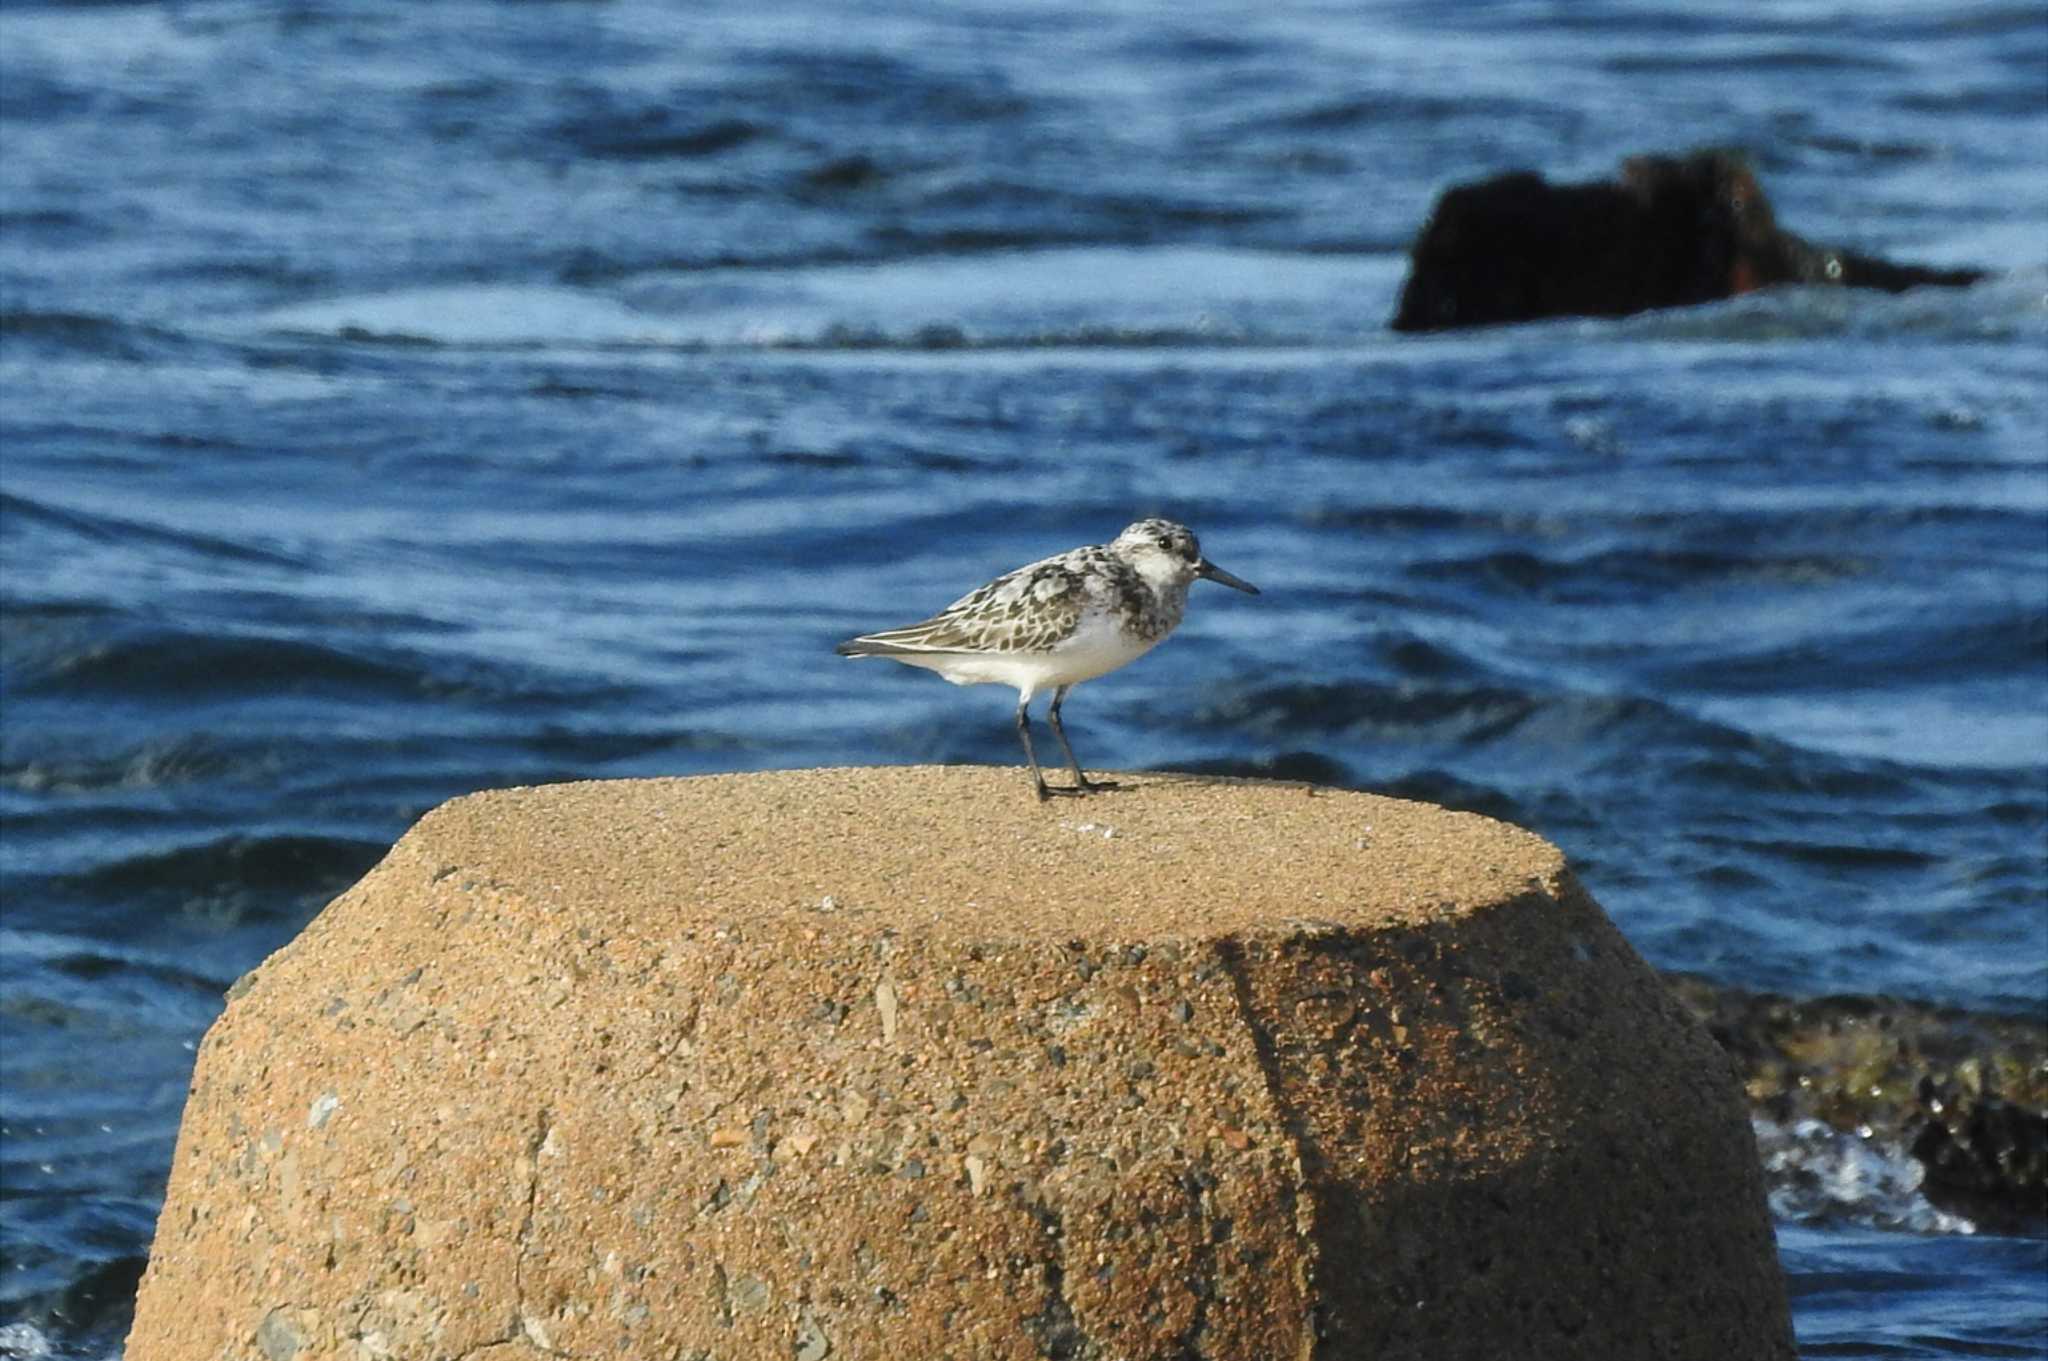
[1982, 1152]
[1307, 766]
[1966, 1095]
[1671, 232]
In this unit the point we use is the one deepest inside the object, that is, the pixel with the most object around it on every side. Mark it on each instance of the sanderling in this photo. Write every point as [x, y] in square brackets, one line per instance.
[1058, 622]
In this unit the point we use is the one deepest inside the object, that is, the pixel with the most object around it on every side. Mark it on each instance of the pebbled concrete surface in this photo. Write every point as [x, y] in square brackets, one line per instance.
[900, 1063]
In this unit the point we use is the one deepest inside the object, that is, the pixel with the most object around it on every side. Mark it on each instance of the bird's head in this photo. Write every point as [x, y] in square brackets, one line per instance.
[1167, 552]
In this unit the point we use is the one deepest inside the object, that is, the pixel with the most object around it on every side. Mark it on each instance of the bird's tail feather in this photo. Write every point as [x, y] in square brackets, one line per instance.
[867, 647]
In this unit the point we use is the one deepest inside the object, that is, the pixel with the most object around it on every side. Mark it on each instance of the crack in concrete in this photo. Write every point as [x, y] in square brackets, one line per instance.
[1197, 1184]
[1301, 1198]
[1058, 1333]
[524, 1325]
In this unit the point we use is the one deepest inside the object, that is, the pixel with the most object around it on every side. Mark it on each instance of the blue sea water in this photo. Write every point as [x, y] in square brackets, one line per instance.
[399, 400]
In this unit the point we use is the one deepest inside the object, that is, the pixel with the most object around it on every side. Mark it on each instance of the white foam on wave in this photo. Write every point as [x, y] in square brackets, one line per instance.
[23, 1342]
[1975, 724]
[1082, 296]
[478, 314]
[1818, 1174]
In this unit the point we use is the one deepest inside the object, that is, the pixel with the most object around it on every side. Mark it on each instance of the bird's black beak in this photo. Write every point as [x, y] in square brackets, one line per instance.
[1212, 572]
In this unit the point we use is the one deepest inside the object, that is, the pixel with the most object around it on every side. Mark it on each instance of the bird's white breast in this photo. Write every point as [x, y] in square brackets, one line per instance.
[1097, 646]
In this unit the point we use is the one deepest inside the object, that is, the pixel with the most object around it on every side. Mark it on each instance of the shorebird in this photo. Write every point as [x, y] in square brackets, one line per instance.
[1057, 622]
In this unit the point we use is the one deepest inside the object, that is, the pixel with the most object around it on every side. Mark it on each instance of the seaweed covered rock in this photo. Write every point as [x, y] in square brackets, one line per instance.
[1964, 1094]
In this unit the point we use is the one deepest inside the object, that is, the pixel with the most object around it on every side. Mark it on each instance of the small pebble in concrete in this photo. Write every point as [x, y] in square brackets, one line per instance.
[324, 1105]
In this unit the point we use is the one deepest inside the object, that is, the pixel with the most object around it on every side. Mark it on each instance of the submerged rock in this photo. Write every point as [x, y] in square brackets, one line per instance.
[1673, 231]
[1965, 1095]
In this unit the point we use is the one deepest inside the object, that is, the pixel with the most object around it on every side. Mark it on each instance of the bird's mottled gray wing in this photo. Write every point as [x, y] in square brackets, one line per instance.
[1031, 609]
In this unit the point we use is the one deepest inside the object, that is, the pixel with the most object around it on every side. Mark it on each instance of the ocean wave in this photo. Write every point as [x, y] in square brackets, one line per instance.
[1018, 292]
[1353, 709]
[1348, 112]
[1311, 767]
[101, 527]
[188, 759]
[1841, 857]
[277, 865]
[147, 661]
[2003, 306]
[1787, 60]
[2009, 640]
[77, 333]
[55, 657]
[833, 337]
[24, 1342]
[89, 959]
[880, 87]
[87, 1299]
[1464, 715]
[1418, 658]
[1455, 792]
[1763, 767]
[1594, 736]
[972, 271]
[1419, 519]
[657, 133]
[988, 214]
[1626, 574]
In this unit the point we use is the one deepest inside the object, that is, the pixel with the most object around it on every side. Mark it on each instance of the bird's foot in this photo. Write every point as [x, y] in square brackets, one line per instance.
[1073, 791]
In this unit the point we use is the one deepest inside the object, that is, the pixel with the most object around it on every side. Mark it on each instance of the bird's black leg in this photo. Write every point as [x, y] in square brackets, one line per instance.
[1045, 791]
[1082, 784]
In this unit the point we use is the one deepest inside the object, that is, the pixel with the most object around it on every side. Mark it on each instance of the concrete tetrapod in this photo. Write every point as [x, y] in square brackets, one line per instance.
[898, 1063]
